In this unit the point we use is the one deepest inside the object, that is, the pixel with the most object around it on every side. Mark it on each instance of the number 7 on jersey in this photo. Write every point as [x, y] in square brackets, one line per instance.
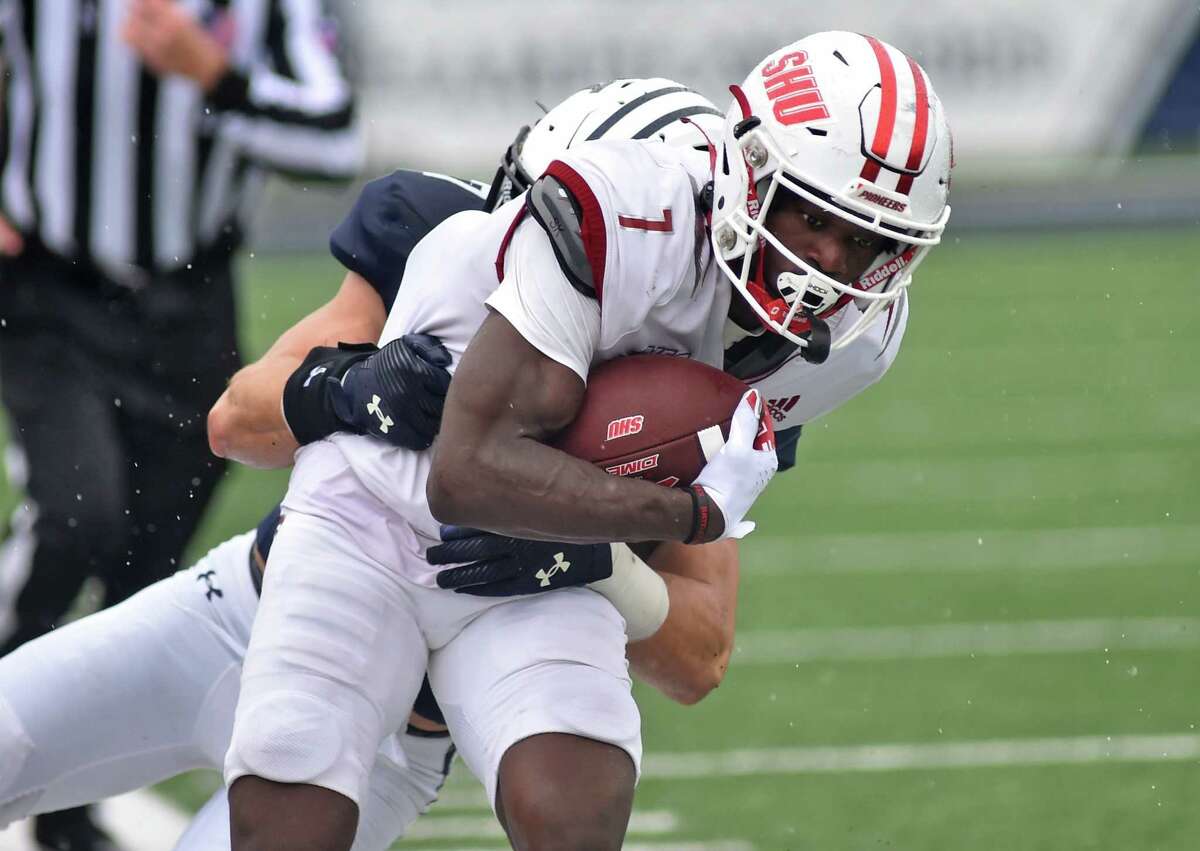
[662, 225]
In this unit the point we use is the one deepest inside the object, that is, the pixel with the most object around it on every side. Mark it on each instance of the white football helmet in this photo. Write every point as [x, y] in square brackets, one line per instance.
[852, 125]
[652, 108]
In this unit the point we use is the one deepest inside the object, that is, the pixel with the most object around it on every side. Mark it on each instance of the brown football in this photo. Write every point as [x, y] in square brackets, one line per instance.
[653, 417]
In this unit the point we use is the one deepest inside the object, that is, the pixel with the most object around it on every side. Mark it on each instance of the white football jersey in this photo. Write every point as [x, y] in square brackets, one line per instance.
[658, 292]
[449, 274]
[798, 392]
[658, 289]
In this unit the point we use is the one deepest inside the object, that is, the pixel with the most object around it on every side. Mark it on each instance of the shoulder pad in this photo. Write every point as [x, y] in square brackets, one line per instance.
[553, 206]
[391, 215]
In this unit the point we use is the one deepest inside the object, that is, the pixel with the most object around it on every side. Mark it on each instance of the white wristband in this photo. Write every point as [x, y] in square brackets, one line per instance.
[637, 592]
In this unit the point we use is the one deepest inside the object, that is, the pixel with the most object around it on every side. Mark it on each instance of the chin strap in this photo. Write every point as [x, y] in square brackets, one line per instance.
[819, 339]
[743, 102]
[707, 192]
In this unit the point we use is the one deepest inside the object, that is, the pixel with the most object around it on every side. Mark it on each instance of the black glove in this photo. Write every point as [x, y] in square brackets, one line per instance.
[508, 567]
[395, 393]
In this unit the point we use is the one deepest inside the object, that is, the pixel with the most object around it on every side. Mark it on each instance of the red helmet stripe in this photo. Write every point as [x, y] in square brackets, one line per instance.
[916, 151]
[887, 109]
[742, 101]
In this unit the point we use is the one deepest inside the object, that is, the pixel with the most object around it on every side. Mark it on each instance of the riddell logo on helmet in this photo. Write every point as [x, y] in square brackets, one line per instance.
[625, 426]
[877, 276]
[792, 89]
[634, 468]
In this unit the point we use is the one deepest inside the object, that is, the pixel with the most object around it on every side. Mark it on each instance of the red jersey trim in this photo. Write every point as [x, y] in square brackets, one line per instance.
[595, 236]
[504, 243]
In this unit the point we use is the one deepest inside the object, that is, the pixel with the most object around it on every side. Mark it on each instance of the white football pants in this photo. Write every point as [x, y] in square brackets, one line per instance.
[342, 640]
[147, 690]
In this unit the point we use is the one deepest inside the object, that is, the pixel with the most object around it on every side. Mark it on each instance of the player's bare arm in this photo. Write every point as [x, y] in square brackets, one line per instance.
[688, 656]
[247, 423]
[492, 468]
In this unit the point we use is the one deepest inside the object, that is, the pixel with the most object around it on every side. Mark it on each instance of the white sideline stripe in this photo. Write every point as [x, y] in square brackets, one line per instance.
[664, 845]
[941, 641]
[486, 827]
[138, 821]
[1081, 750]
[875, 484]
[468, 798]
[1134, 547]
[669, 845]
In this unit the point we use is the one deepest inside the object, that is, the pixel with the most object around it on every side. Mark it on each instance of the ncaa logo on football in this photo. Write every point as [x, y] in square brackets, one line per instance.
[625, 426]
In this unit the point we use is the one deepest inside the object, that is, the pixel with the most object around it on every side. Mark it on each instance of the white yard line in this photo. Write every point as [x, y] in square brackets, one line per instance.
[434, 826]
[660, 845]
[1081, 750]
[940, 641]
[138, 821]
[462, 798]
[1133, 547]
[874, 484]
[142, 822]
[675, 845]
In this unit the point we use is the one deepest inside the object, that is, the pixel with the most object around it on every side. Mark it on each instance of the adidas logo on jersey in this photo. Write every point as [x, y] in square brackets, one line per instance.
[779, 408]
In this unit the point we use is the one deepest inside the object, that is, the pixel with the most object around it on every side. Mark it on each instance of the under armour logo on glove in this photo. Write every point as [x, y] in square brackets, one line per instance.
[489, 565]
[352, 388]
[559, 566]
[317, 370]
[385, 422]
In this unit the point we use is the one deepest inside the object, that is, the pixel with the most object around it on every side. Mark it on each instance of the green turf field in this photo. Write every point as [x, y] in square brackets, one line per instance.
[989, 566]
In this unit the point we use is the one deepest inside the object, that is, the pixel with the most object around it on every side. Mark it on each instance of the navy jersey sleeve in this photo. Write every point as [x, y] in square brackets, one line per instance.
[390, 217]
[785, 446]
[265, 534]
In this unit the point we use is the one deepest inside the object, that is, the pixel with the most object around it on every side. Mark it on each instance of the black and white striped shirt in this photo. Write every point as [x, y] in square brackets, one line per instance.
[108, 164]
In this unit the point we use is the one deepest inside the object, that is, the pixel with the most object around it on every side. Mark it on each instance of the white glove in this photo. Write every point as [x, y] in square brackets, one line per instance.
[735, 476]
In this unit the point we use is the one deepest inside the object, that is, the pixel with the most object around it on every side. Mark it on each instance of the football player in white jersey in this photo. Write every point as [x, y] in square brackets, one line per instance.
[155, 680]
[828, 188]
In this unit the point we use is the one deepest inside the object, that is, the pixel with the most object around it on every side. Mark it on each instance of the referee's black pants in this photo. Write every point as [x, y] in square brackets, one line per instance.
[107, 391]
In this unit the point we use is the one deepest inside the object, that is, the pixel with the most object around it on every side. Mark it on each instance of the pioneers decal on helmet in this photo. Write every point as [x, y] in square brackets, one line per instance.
[792, 90]
[863, 191]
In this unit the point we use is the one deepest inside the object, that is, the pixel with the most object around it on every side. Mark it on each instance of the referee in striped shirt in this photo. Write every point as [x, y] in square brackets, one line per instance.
[136, 137]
